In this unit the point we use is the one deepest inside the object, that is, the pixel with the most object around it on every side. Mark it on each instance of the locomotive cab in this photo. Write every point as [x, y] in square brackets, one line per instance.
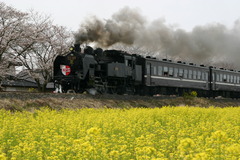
[120, 71]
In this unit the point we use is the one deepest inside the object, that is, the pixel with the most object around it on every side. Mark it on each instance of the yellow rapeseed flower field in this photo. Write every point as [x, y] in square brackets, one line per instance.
[174, 133]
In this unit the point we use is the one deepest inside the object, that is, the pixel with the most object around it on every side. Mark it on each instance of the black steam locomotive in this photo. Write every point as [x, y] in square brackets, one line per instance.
[113, 71]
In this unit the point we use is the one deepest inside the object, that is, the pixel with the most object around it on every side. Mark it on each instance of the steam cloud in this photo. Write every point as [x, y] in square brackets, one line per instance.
[204, 44]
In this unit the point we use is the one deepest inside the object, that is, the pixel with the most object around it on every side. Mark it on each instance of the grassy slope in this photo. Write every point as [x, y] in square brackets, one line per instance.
[30, 101]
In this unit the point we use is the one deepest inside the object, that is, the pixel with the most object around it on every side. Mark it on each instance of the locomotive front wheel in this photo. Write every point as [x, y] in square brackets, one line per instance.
[102, 90]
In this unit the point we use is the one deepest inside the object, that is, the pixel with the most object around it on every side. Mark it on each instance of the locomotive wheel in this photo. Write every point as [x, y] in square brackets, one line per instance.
[121, 90]
[102, 89]
[113, 90]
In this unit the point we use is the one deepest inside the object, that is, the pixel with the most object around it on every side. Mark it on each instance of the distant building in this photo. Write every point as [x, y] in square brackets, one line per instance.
[22, 82]
[17, 85]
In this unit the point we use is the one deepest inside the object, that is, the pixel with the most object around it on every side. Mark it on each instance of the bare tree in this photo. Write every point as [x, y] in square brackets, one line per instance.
[32, 39]
[11, 30]
[40, 49]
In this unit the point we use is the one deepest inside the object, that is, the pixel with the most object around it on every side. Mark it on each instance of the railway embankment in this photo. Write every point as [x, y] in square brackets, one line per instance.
[18, 101]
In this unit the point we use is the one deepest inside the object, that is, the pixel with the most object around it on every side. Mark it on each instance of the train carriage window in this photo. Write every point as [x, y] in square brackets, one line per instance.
[203, 76]
[231, 79]
[234, 79]
[206, 76]
[221, 77]
[217, 77]
[213, 76]
[180, 72]
[238, 79]
[154, 70]
[228, 78]
[190, 74]
[170, 71]
[224, 78]
[194, 74]
[148, 69]
[160, 70]
[175, 72]
[199, 75]
[185, 74]
[165, 71]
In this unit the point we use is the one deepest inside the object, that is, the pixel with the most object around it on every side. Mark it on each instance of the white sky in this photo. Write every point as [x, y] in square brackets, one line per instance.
[186, 14]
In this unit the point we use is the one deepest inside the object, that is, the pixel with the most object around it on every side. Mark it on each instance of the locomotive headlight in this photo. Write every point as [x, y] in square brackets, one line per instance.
[71, 48]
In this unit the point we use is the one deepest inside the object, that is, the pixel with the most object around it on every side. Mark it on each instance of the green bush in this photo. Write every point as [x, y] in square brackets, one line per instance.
[32, 90]
[190, 95]
[193, 94]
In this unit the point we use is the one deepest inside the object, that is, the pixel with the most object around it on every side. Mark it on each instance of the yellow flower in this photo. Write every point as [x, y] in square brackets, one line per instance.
[3, 156]
[94, 130]
[201, 156]
[114, 154]
[234, 150]
[159, 133]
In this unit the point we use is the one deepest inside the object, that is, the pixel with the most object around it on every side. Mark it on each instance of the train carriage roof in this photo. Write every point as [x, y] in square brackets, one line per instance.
[178, 63]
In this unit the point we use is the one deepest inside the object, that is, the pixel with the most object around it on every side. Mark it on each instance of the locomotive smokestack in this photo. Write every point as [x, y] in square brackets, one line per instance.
[77, 48]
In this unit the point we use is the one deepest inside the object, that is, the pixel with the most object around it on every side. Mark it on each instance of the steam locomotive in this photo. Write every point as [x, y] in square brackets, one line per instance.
[114, 71]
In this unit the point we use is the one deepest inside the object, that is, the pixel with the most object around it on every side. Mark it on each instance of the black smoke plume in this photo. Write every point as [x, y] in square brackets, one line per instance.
[121, 28]
[211, 43]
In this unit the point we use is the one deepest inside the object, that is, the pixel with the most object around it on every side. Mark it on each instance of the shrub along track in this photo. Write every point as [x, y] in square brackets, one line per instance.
[20, 101]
